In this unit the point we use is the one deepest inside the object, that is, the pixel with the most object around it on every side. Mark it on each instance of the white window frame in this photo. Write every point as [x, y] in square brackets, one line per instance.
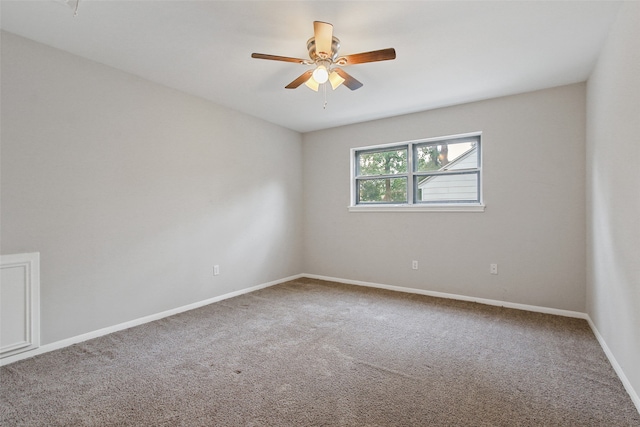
[410, 206]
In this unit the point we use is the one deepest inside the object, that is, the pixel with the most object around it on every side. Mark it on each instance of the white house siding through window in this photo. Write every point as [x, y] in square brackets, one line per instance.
[442, 188]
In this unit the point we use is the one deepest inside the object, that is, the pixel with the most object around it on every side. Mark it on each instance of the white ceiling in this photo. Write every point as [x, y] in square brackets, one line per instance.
[448, 52]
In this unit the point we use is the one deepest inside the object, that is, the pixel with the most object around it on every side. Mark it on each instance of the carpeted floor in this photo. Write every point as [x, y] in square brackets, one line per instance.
[315, 353]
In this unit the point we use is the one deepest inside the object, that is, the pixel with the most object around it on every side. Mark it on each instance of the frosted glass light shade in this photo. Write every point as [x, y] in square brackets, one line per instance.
[312, 84]
[320, 74]
[335, 79]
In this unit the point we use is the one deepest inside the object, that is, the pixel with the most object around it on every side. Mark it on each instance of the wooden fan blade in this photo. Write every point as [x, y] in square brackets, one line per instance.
[349, 81]
[300, 80]
[277, 58]
[323, 33]
[373, 56]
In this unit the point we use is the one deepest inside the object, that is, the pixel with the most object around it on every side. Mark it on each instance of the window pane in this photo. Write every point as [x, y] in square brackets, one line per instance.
[388, 162]
[451, 156]
[447, 188]
[386, 190]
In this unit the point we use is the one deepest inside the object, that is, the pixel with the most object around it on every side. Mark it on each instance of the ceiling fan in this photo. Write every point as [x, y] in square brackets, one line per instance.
[323, 53]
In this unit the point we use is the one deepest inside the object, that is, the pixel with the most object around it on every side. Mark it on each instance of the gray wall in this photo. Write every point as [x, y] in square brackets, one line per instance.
[131, 191]
[533, 226]
[613, 193]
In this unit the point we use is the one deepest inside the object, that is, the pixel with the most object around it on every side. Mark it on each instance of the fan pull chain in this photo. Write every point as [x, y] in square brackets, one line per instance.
[324, 90]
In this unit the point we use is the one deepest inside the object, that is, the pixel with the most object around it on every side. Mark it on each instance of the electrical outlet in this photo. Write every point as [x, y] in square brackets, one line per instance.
[216, 270]
[494, 268]
[414, 264]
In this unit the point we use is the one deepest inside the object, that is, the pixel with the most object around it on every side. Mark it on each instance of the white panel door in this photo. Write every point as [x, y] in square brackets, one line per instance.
[19, 303]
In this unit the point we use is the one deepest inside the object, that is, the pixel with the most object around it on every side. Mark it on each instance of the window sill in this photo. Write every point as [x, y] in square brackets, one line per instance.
[418, 208]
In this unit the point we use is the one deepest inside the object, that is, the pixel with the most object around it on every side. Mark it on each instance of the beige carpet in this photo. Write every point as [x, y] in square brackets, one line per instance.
[314, 353]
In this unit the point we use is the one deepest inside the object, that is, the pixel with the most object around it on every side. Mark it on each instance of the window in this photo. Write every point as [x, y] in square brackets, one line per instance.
[431, 174]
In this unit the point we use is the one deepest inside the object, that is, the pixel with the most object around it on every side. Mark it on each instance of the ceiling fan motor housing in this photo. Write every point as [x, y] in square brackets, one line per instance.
[335, 47]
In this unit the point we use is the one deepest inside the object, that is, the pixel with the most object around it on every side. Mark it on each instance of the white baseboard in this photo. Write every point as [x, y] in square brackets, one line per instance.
[115, 328]
[566, 313]
[525, 307]
[616, 366]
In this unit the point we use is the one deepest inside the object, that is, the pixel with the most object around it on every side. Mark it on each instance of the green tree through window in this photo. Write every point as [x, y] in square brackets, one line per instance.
[382, 186]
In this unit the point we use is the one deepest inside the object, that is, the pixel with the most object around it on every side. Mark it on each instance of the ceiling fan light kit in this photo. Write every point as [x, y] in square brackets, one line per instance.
[311, 84]
[335, 80]
[320, 74]
[323, 50]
